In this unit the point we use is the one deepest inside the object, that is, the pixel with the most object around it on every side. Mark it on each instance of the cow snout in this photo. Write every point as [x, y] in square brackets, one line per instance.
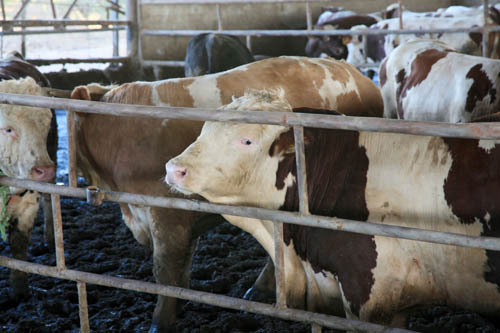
[175, 173]
[43, 173]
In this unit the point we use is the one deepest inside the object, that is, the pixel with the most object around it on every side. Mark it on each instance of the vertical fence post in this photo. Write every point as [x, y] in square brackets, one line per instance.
[400, 15]
[219, 17]
[308, 15]
[54, 13]
[133, 33]
[116, 37]
[485, 31]
[249, 42]
[300, 157]
[58, 231]
[70, 120]
[83, 307]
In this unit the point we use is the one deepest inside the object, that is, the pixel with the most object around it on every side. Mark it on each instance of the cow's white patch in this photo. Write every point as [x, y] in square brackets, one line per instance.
[487, 145]
[139, 223]
[205, 92]
[487, 218]
[405, 178]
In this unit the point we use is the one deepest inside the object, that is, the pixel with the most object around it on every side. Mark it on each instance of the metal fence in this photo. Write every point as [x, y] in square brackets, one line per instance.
[297, 121]
[61, 24]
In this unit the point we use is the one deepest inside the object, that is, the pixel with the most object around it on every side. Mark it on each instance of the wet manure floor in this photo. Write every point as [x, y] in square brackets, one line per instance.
[227, 261]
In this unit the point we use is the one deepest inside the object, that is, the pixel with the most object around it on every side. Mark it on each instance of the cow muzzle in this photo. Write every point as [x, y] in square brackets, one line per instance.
[43, 173]
[176, 175]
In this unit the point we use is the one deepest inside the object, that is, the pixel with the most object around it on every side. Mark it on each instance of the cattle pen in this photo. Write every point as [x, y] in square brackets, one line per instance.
[489, 131]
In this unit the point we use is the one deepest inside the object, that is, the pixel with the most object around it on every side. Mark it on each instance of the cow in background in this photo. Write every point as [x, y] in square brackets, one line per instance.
[212, 53]
[104, 156]
[333, 18]
[379, 46]
[395, 179]
[23, 154]
[428, 80]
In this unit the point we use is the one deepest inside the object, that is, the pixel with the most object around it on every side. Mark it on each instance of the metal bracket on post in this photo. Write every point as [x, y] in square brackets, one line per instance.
[94, 196]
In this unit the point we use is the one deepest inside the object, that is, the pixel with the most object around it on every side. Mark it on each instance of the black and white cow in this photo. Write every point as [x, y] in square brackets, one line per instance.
[412, 181]
[429, 80]
[212, 53]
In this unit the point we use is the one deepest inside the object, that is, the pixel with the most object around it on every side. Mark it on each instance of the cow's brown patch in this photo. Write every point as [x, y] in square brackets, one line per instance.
[274, 74]
[470, 190]
[337, 174]
[130, 93]
[176, 92]
[382, 76]
[420, 69]
[481, 87]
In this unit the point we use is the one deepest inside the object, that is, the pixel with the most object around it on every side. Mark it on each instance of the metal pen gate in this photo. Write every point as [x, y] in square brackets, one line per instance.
[297, 121]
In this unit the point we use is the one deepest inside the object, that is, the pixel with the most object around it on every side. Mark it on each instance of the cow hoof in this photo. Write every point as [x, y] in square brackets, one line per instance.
[255, 295]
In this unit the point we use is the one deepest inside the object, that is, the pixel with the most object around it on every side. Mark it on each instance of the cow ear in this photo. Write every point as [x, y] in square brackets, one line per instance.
[346, 39]
[81, 92]
[290, 149]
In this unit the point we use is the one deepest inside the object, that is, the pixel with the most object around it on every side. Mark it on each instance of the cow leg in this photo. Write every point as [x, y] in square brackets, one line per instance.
[173, 248]
[19, 242]
[48, 219]
[264, 288]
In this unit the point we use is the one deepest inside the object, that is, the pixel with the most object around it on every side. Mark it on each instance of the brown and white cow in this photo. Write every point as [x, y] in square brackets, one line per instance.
[429, 80]
[380, 46]
[125, 153]
[23, 154]
[411, 181]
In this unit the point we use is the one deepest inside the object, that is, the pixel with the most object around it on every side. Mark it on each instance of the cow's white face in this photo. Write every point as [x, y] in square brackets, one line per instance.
[23, 135]
[229, 162]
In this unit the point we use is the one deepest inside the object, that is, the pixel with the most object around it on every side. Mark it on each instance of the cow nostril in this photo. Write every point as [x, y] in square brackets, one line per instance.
[181, 173]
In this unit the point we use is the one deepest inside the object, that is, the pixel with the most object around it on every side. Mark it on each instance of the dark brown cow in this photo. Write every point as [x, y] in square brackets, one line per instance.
[410, 181]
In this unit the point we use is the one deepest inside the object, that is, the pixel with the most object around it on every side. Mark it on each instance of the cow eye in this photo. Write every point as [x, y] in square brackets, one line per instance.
[246, 142]
[9, 131]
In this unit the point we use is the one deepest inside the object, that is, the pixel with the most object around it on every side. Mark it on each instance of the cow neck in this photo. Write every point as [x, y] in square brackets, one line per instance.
[336, 173]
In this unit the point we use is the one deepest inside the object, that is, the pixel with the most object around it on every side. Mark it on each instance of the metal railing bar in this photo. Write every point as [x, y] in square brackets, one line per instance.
[70, 8]
[196, 296]
[58, 231]
[59, 31]
[166, 63]
[212, 2]
[83, 307]
[72, 162]
[342, 32]
[332, 223]
[21, 9]
[486, 131]
[42, 62]
[53, 8]
[279, 264]
[57, 23]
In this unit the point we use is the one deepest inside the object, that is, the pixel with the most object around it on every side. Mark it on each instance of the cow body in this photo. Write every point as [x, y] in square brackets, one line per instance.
[410, 181]
[23, 154]
[104, 156]
[380, 46]
[212, 53]
[428, 80]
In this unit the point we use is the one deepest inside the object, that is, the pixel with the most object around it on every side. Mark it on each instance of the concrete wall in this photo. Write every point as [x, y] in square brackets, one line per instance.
[248, 16]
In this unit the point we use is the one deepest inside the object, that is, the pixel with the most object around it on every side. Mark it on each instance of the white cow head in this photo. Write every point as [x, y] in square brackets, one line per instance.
[23, 135]
[232, 162]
